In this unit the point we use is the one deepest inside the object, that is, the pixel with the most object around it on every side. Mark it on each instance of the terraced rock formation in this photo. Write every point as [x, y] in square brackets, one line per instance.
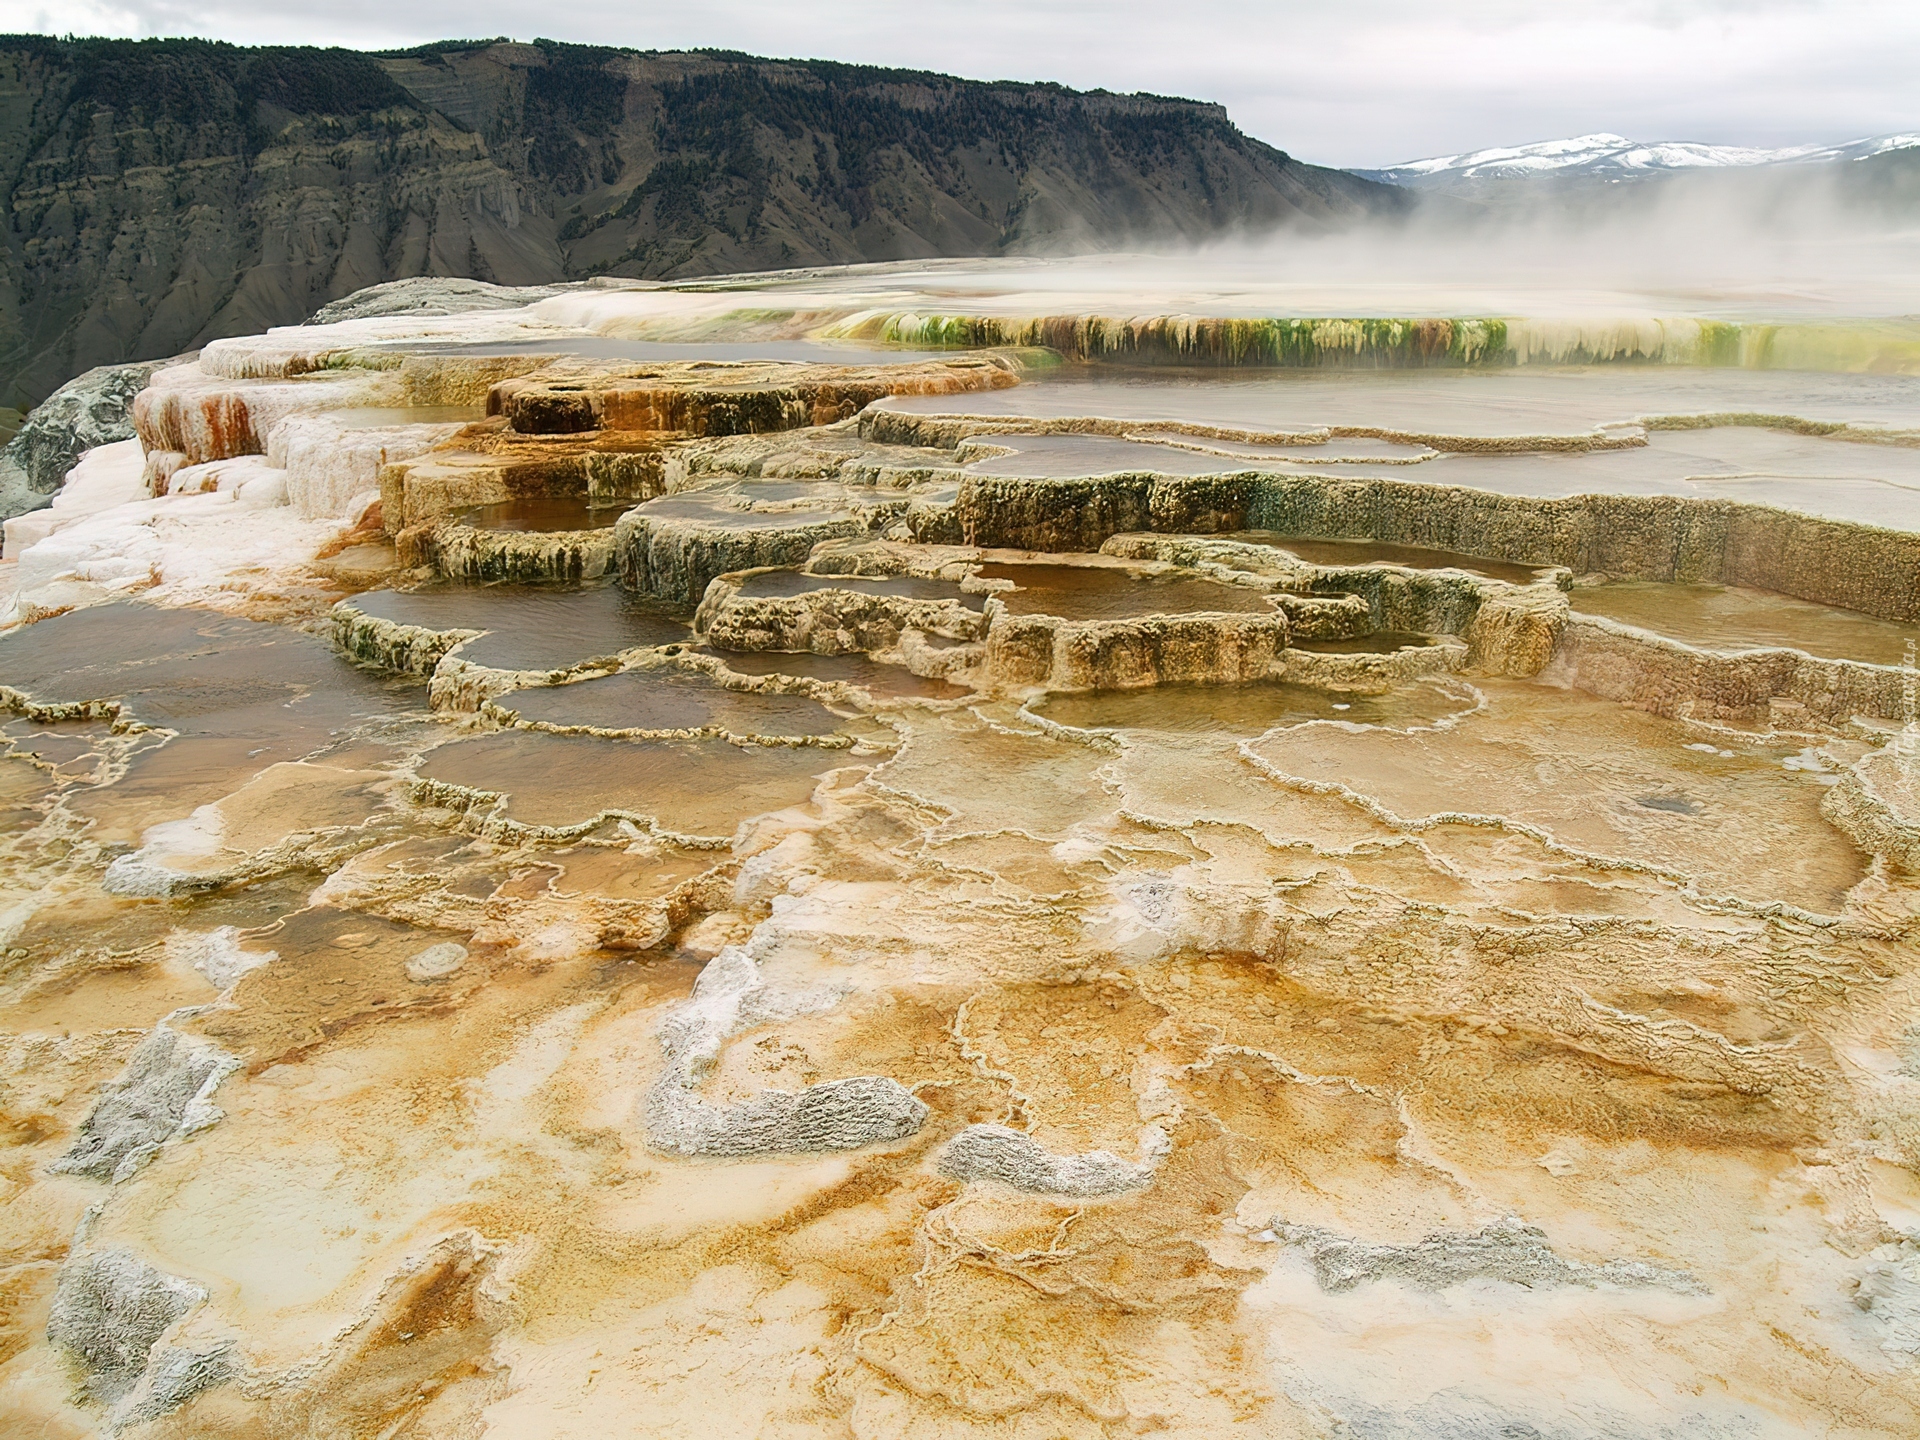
[954, 924]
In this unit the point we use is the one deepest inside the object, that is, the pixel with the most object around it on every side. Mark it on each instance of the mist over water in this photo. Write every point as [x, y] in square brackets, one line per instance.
[1780, 242]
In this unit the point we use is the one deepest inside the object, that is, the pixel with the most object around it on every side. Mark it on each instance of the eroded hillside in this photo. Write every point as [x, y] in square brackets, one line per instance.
[163, 193]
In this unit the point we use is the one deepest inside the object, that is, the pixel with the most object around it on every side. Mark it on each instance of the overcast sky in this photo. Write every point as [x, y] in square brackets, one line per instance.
[1341, 82]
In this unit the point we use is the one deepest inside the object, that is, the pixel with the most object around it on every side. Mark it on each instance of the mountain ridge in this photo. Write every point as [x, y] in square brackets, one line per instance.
[1604, 155]
[163, 193]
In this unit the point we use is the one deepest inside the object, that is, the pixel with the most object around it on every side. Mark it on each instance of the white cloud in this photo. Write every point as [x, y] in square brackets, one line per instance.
[1351, 84]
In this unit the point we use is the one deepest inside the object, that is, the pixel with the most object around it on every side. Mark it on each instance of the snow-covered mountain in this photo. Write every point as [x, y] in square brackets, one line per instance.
[1615, 157]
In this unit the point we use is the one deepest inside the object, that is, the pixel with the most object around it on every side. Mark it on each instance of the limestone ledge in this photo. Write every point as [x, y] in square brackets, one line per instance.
[1366, 673]
[1509, 629]
[436, 379]
[1043, 650]
[459, 686]
[1668, 677]
[121, 719]
[482, 813]
[912, 653]
[1865, 568]
[897, 427]
[826, 621]
[489, 465]
[202, 417]
[675, 558]
[228, 402]
[722, 397]
[390, 645]
[1877, 805]
[475, 555]
[1794, 424]
[454, 683]
[817, 452]
[501, 711]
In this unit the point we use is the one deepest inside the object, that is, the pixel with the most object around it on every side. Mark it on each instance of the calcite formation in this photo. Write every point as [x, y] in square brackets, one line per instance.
[110, 1310]
[740, 398]
[997, 1154]
[1508, 1250]
[165, 1093]
[903, 934]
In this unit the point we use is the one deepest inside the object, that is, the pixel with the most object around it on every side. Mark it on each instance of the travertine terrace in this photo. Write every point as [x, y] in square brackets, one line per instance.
[950, 895]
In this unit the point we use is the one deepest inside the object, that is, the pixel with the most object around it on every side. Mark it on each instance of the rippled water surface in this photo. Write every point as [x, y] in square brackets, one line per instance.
[1086, 592]
[661, 699]
[545, 513]
[869, 674]
[532, 627]
[1731, 617]
[702, 788]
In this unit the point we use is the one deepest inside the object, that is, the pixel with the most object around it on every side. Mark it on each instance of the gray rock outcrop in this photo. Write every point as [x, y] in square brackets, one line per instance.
[993, 1152]
[164, 1093]
[1508, 1250]
[174, 1375]
[431, 295]
[835, 1115]
[92, 409]
[110, 1309]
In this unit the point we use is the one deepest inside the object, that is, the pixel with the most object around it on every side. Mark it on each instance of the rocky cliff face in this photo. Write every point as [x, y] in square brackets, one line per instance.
[161, 193]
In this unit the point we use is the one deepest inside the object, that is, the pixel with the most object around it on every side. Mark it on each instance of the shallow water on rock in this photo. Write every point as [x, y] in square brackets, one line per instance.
[664, 699]
[176, 667]
[607, 347]
[545, 514]
[373, 417]
[1732, 617]
[988, 779]
[1242, 709]
[532, 627]
[1603, 779]
[1843, 480]
[239, 695]
[1380, 642]
[888, 681]
[1838, 479]
[1069, 456]
[1088, 592]
[690, 787]
[1525, 401]
[731, 508]
[1345, 449]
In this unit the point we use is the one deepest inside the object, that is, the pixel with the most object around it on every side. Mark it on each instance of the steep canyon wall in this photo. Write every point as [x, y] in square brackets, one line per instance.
[162, 193]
